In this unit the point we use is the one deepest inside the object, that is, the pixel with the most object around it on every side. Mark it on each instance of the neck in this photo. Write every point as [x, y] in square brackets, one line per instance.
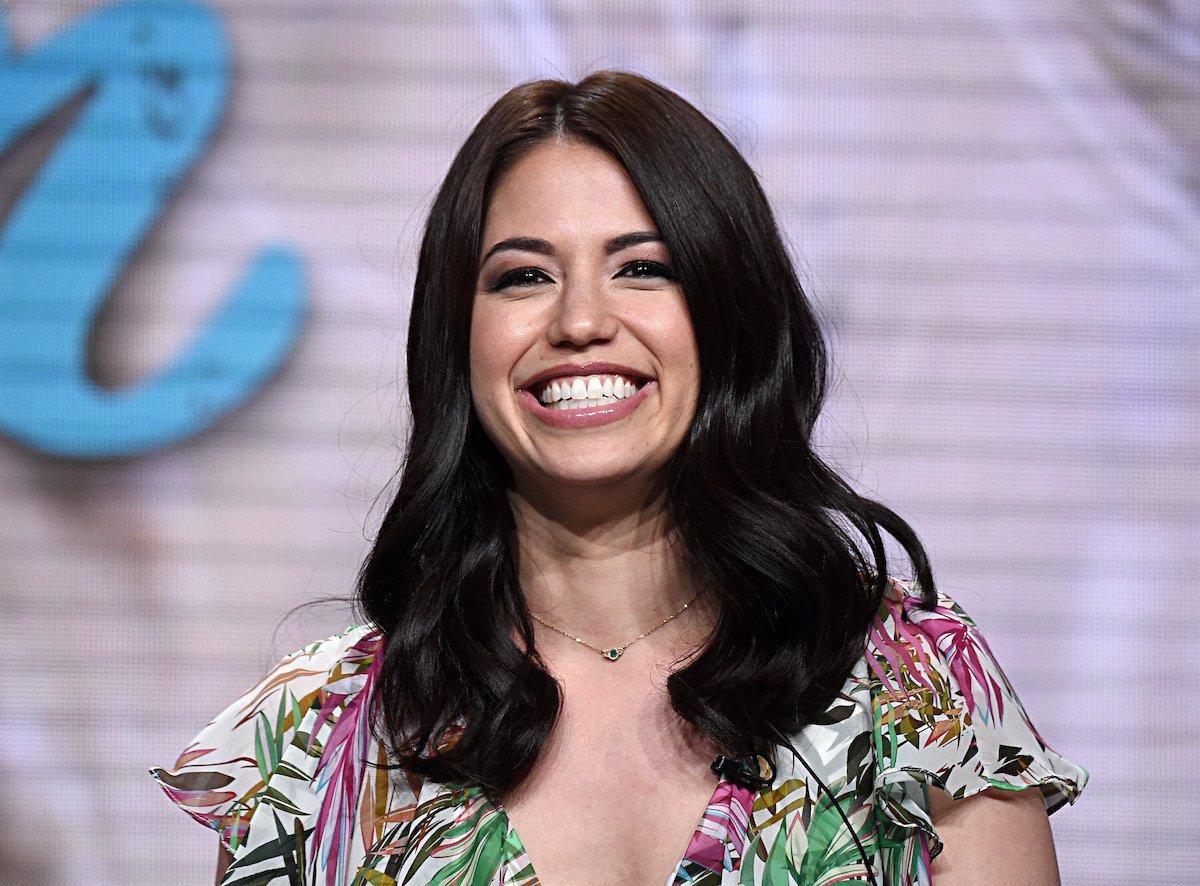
[603, 573]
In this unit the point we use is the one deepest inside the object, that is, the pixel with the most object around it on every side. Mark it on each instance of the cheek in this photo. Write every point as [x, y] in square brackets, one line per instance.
[680, 351]
[688, 390]
[502, 334]
[496, 347]
[487, 350]
[482, 368]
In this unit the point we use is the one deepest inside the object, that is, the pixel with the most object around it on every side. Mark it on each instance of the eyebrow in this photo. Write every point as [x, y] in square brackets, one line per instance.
[545, 247]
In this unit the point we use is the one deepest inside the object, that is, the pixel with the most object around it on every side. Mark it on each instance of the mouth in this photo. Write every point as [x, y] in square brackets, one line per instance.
[563, 393]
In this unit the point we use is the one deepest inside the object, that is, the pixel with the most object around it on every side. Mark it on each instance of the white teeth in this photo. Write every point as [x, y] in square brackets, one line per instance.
[583, 392]
[565, 405]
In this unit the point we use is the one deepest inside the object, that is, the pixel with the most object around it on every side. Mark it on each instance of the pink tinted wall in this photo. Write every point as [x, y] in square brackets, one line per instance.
[995, 205]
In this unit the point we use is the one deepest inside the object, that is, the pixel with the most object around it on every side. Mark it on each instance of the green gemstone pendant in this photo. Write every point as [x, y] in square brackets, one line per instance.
[612, 654]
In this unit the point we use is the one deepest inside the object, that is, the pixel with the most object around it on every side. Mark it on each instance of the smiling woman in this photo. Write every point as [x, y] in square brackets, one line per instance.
[623, 624]
[578, 324]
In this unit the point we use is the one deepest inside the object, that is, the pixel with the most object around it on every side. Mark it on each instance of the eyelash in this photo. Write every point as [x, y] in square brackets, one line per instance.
[656, 269]
[521, 277]
[518, 277]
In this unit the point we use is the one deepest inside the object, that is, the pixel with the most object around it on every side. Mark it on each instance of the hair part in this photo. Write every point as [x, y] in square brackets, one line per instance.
[794, 557]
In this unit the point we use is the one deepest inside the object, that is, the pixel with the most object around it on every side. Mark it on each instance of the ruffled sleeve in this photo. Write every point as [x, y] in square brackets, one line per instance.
[269, 740]
[946, 716]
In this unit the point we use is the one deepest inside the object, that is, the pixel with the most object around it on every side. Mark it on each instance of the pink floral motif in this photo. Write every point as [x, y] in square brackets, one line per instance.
[904, 632]
[723, 826]
[339, 773]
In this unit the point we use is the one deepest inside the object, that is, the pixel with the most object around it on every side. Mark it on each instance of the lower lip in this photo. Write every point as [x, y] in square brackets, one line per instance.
[592, 417]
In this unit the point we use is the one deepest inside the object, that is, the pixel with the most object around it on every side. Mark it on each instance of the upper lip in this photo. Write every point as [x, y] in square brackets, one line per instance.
[573, 369]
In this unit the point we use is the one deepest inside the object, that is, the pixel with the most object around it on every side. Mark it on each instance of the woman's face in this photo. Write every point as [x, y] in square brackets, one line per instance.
[584, 368]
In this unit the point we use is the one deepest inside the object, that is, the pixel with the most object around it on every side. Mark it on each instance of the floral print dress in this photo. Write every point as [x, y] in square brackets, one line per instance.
[280, 775]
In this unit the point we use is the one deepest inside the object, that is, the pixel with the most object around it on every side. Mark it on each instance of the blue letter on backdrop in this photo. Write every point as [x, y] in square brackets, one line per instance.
[159, 73]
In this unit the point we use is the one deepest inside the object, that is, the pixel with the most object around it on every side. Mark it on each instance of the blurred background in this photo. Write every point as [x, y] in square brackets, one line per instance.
[994, 203]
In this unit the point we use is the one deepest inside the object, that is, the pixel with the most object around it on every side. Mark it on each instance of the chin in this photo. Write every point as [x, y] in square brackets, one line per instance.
[594, 475]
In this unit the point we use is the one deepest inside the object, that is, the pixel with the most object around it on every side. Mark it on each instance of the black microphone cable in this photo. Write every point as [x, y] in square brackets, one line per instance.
[836, 805]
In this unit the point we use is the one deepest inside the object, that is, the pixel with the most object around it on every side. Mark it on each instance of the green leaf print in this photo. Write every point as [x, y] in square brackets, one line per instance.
[279, 718]
[275, 797]
[832, 853]
[298, 836]
[287, 770]
[268, 739]
[860, 766]
[263, 740]
[779, 870]
[431, 838]
[296, 717]
[749, 860]
[483, 837]
[431, 843]
[287, 847]
[901, 861]
[295, 872]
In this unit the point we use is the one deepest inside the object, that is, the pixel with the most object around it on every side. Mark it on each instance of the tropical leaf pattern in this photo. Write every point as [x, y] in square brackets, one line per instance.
[294, 782]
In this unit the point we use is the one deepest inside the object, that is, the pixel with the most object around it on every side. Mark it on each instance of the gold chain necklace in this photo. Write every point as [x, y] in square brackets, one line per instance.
[612, 653]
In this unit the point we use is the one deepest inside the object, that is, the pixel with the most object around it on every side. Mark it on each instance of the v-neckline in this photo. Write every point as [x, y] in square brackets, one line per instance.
[521, 860]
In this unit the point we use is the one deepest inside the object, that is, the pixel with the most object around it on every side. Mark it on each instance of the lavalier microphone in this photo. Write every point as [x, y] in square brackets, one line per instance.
[749, 771]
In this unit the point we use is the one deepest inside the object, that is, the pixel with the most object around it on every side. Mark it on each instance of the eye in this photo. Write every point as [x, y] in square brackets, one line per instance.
[646, 269]
[517, 278]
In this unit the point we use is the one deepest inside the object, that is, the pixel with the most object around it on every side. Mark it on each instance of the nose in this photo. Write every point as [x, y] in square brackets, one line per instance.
[582, 316]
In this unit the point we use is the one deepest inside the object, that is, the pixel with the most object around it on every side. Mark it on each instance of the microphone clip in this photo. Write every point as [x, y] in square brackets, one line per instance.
[748, 771]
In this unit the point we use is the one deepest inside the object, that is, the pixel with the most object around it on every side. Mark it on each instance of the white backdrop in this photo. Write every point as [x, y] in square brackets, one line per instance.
[995, 204]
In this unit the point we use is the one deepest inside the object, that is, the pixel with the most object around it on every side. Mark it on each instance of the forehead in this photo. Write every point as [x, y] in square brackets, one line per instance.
[565, 189]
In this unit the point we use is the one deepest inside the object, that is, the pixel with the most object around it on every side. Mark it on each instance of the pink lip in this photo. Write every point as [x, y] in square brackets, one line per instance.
[585, 418]
[566, 370]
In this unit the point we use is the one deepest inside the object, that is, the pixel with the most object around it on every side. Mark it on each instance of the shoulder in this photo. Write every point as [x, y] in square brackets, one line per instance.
[336, 666]
[925, 649]
[277, 724]
[946, 716]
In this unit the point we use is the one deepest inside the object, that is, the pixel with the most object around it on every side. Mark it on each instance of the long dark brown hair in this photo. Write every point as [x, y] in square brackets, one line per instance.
[795, 557]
